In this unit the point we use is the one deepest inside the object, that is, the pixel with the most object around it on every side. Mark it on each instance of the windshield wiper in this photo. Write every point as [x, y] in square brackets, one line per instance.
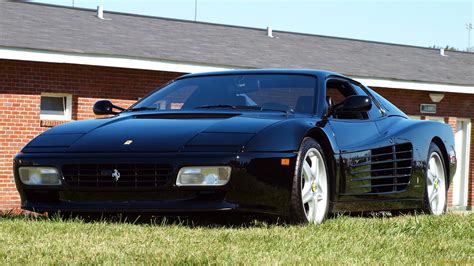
[223, 106]
[287, 112]
[245, 107]
[143, 108]
[228, 106]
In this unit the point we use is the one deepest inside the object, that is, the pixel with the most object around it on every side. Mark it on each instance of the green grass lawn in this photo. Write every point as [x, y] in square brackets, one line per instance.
[400, 240]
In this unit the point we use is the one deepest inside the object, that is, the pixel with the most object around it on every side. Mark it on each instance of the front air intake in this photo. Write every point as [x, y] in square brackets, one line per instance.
[118, 175]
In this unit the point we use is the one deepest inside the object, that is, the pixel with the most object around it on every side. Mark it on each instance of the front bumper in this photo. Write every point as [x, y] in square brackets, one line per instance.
[258, 184]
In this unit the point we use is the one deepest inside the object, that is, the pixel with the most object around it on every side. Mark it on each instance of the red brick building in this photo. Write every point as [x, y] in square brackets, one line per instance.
[55, 62]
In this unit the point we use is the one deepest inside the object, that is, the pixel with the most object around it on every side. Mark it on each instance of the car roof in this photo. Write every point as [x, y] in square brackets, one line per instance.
[313, 72]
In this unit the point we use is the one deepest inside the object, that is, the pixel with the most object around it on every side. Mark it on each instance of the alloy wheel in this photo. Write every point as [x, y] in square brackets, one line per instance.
[314, 186]
[436, 184]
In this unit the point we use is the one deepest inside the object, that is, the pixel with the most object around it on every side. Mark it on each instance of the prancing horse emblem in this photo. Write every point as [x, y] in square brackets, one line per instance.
[116, 175]
[128, 142]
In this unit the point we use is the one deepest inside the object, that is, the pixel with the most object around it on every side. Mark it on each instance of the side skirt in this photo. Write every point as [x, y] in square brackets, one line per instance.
[379, 205]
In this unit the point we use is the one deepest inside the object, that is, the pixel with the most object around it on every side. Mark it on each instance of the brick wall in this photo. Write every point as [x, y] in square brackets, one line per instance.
[21, 84]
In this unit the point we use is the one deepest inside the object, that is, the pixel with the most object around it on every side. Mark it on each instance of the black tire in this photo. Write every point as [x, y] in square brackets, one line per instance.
[427, 207]
[298, 210]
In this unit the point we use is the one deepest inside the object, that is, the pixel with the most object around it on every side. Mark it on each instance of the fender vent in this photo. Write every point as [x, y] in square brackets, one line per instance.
[381, 170]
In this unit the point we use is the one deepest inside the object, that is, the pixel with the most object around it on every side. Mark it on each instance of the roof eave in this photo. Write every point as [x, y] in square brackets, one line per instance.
[25, 54]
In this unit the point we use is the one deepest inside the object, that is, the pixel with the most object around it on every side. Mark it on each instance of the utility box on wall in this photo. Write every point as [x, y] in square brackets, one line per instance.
[428, 108]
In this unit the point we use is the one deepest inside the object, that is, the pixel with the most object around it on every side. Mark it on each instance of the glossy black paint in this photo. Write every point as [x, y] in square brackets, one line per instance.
[356, 103]
[259, 183]
[105, 107]
[252, 143]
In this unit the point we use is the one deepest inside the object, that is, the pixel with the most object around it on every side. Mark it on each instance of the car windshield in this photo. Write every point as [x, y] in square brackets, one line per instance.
[262, 92]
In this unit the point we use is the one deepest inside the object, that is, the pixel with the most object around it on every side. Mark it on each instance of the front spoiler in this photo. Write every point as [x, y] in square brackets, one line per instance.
[131, 206]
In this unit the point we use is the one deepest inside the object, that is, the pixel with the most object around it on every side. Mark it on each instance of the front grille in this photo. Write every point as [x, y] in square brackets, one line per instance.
[132, 175]
[386, 169]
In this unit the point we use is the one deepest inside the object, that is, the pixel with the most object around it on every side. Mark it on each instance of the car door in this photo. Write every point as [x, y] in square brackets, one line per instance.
[352, 131]
[365, 153]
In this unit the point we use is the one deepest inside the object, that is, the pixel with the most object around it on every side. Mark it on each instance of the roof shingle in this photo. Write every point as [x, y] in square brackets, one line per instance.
[63, 29]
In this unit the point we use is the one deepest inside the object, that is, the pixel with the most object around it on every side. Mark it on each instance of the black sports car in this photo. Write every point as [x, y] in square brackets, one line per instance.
[294, 143]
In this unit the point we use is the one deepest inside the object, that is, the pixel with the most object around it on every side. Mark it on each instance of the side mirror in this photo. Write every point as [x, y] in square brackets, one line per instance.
[356, 103]
[105, 107]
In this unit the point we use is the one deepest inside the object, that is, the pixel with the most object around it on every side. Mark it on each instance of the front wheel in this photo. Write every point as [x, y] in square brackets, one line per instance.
[436, 187]
[310, 192]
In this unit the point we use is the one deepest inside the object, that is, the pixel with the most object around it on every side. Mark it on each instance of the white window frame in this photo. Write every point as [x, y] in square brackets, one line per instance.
[415, 117]
[68, 108]
[466, 161]
[435, 118]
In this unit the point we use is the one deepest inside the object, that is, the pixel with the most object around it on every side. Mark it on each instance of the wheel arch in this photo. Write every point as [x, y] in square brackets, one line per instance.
[320, 136]
[437, 140]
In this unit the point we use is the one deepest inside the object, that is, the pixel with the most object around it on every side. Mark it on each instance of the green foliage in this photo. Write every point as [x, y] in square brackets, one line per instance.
[446, 48]
[403, 239]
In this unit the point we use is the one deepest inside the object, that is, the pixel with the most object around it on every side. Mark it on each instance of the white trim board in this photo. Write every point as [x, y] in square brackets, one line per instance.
[414, 85]
[106, 60]
[184, 67]
[463, 153]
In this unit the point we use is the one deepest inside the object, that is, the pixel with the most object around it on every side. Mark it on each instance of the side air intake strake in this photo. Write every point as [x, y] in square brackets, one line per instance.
[381, 170]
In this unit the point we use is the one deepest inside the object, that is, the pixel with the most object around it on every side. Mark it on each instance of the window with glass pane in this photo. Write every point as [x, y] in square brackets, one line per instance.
[52, 105]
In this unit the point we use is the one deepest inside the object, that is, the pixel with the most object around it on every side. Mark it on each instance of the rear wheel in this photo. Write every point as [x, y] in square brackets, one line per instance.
[310, 193]
[436, 184]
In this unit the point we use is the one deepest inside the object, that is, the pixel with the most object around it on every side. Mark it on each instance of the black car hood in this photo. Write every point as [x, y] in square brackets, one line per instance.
[148, 132]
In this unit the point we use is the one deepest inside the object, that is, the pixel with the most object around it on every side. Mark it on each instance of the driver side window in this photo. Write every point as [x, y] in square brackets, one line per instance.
[374, 111]
[336, 92]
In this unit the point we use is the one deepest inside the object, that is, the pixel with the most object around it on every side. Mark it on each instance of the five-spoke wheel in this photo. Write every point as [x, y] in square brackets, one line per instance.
[436, 192]
[310, 199]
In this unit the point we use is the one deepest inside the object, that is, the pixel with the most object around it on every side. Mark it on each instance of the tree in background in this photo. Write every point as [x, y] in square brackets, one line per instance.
[451, 48]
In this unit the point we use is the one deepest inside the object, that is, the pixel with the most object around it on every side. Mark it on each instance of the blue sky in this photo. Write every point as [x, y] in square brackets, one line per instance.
[421, 23]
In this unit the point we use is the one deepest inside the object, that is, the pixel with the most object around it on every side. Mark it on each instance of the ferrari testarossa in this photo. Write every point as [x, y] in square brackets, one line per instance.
[294, 143]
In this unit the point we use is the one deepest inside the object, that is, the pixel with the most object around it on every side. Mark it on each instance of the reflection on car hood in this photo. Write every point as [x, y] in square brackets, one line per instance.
[159, 132]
